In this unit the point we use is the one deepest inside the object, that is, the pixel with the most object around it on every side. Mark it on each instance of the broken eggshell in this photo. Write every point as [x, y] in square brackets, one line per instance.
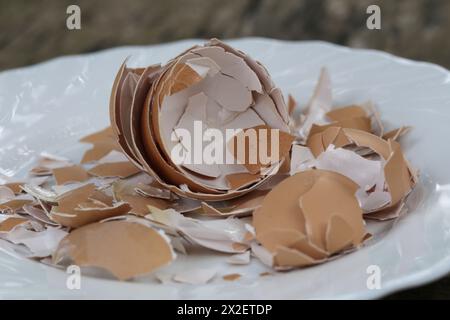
[214, 84]
[128, 187]
[320, 114]
[308, 218]
[126, 249]
[224, 235]
[384, 183]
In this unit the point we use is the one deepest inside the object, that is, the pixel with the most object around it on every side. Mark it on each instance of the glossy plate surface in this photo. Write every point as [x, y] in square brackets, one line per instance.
[49, 106]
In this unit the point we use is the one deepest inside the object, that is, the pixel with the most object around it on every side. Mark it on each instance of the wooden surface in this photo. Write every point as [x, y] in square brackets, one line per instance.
[33, 31]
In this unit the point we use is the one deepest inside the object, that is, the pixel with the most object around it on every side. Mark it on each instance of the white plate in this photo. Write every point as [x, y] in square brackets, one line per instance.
[49, 106]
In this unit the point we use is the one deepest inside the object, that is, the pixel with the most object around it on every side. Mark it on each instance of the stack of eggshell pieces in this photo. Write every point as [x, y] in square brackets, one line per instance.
[344, 170]
[129, 200]
[216, 87]
[350, 140]
[59, 214]
[73, 214]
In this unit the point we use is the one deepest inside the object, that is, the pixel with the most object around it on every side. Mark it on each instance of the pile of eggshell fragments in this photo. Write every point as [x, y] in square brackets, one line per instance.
[127, 200]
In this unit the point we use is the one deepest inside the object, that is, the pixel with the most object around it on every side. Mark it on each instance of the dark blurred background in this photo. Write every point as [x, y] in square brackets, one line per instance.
[33, 31]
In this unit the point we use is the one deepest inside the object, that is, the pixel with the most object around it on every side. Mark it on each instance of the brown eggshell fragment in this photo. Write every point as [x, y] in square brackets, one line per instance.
[397, 133]
[14, 205]
[85, 205]
[309, 217]
[76, 218]
[70, 174]
[126, 249]
[10, 223]
[139, 204]
[114, 169]
[16, 187]
[339, 234]
[343, 113]
[248, 146]
[326, 199]
[103, 143]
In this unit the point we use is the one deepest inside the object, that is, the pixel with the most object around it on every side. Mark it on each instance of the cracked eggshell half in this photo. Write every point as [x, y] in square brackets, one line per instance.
[215, 84]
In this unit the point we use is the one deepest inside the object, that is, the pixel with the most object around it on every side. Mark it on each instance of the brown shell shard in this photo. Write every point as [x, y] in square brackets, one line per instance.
[309, 217]
[98, 245]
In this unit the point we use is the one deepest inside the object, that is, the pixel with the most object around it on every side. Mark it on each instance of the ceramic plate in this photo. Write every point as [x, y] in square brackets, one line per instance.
[49, 106]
